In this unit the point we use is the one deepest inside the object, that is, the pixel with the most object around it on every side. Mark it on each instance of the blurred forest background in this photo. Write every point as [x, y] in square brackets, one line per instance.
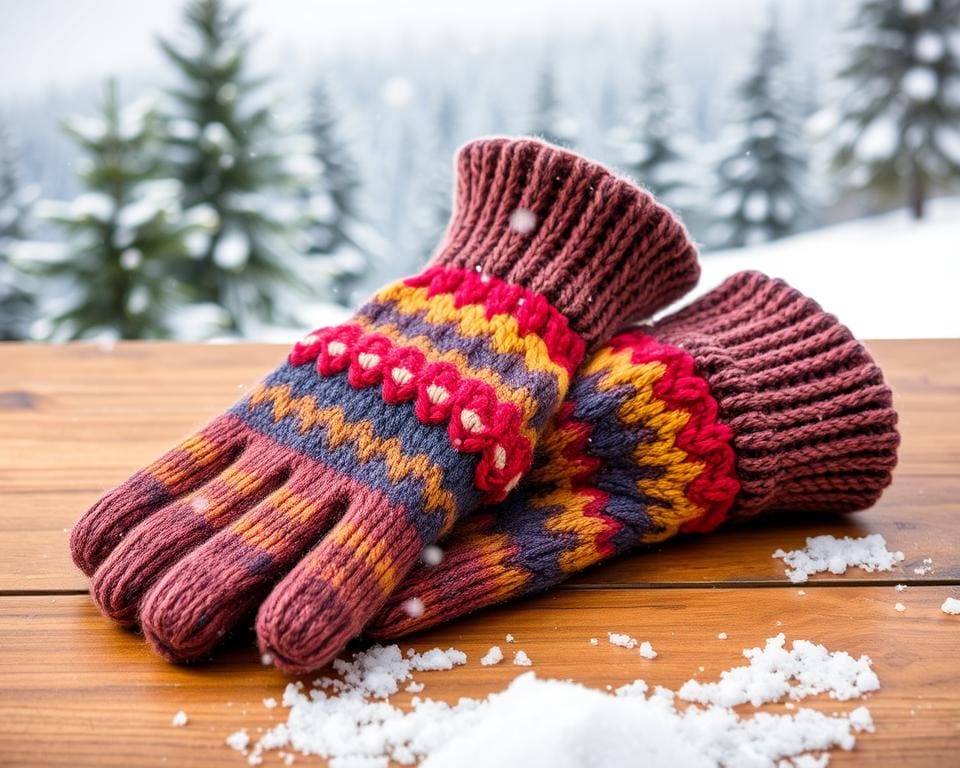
[222, 195]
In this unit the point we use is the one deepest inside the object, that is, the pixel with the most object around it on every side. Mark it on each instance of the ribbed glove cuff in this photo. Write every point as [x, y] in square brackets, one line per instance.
[813, 421]
[602, 251]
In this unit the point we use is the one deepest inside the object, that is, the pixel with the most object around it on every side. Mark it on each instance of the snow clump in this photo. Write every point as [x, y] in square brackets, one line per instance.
[826, 553]
[537, 722]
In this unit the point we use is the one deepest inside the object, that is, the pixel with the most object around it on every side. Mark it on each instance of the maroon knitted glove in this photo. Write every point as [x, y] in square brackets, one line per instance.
[750, 401]
[377, 435]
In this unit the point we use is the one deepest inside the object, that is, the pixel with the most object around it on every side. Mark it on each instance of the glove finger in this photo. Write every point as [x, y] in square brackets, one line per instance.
[189, 610]
[478, 569]
[179, 471]
[328, 597]
[167, 535]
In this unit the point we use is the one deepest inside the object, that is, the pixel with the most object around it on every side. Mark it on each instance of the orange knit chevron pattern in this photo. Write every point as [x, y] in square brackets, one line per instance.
[636, 455]
[361, 436]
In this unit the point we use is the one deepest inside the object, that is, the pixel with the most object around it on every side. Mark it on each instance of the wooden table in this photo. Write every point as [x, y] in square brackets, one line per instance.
[77, 691]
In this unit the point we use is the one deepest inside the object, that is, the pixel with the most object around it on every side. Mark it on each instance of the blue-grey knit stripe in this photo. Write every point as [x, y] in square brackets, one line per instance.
[457, 469]
[542, 387]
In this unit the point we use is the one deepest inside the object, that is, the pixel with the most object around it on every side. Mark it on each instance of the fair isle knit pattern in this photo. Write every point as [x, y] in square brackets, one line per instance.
[751, 400]
[323, 486]
[488, 360]
[635, 455]
[382, 440]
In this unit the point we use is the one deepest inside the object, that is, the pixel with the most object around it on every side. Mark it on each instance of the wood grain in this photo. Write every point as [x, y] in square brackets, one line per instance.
[100, 698]
[76, 691]
[78, 419]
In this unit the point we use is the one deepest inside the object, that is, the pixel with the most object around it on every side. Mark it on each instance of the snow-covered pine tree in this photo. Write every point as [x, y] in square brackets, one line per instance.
[16, 301]
[899, 129]
[228, 152]
[126, 235]
[548, 120]
[336, 232]
[435, 191]
[433, 209]
[761, 177]
[653, 145]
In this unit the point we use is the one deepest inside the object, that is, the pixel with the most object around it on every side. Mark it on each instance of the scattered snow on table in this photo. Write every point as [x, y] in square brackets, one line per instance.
[722, 636]
[415, 687]
[594, 641]
[437, 659]
[951, 605]
[622, 640]
[493, 656]
[239, 740]
[927, 567]
[901, 587]
[180, 719]
[900, 607]
[521, 659]
[826, 553]
[538, 723]
[768, 676]
[646, 650]
[509, 638]
[270, 703]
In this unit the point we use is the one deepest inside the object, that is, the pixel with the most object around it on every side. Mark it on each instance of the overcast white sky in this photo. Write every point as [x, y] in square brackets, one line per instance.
[47, 43]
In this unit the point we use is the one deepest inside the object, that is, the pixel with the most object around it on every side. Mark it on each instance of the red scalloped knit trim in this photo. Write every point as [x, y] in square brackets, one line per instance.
[704, 439]
[477, 421]
[533, 313]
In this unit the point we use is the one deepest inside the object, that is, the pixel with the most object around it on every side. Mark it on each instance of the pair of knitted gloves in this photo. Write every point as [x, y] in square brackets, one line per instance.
[487, 404]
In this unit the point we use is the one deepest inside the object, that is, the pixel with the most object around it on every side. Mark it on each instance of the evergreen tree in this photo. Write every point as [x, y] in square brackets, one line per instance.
[435, 194]
[761, 192]
[335, 230]
[654, 148]
[900, 123]
[448, 121]
[225, 152]
[434, 209]
[126, 236]
[16, 301]
[549, 122]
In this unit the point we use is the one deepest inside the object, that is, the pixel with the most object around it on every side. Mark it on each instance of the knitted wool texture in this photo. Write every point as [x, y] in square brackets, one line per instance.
[377, 435]
[751, 400]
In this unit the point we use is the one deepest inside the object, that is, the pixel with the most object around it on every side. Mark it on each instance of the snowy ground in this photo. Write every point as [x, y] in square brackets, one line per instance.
[885, 277]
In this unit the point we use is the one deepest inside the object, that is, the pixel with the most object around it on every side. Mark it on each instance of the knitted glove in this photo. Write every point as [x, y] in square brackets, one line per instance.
[750, 401]
[378, 434]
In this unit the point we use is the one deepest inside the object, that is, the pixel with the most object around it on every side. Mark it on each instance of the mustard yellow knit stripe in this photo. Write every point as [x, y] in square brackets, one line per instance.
[520, 397]
[353, 537]
[471, 321]
[195, 452]
[572, 518]
[493, 551]
[366, 443]
[668, 505]
[266, 531]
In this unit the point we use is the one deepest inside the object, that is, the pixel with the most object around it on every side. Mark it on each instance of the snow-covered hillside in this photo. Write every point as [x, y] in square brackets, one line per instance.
[885, 277]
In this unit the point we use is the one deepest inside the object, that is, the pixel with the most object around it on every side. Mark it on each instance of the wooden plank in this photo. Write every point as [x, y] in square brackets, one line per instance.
[76, 691]
[77, 419]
